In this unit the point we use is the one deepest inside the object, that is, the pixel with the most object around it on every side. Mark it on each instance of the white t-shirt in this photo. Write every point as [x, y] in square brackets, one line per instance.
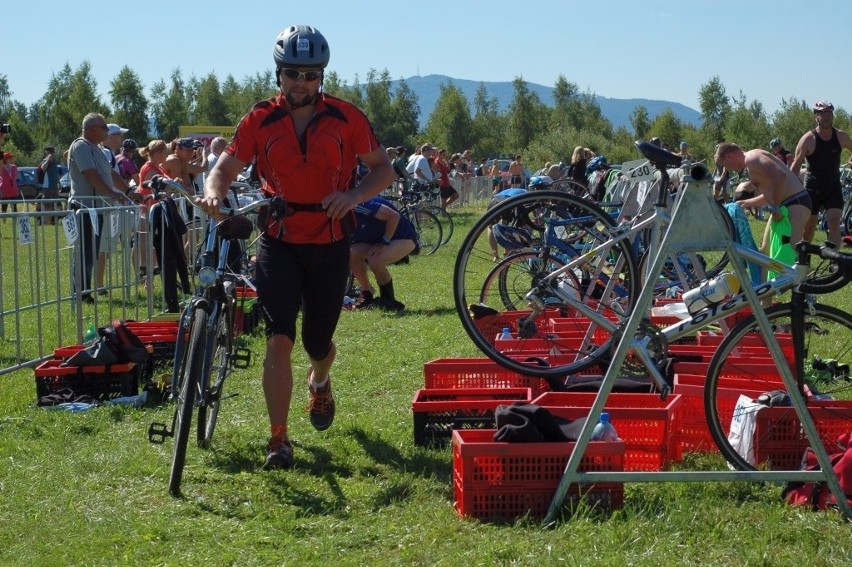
[419, 162]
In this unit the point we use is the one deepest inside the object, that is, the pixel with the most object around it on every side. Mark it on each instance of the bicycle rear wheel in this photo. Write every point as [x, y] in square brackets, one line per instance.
[192, 369]
[428, 230]
[492, 292]
[742, 366]
[220, 367]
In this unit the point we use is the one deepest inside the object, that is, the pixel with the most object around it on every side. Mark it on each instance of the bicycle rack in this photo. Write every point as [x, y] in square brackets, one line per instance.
[696, 221]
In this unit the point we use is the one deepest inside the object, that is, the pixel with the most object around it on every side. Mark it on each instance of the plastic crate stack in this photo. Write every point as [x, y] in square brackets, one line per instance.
[779, 442]
[101, 382]
[247, 313]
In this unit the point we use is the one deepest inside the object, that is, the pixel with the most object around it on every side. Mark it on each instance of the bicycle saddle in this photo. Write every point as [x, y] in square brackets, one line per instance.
[657, 155]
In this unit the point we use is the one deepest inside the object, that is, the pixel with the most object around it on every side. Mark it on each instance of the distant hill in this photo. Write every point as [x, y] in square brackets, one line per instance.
[616, 110]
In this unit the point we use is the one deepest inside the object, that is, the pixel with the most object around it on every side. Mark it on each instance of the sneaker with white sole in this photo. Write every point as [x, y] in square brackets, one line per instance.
[321, 406]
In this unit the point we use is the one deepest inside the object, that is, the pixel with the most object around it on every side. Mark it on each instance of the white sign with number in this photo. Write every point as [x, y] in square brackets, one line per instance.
[25, 231]
[638, 170]
[69, 224]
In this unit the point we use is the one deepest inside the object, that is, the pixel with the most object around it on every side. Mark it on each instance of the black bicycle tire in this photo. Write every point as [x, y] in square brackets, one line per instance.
[466, 293]
[499, 274]
[422, 218]
[220, 365]
[447, 224]
[572, 187]
[184, 404]
[724, 363]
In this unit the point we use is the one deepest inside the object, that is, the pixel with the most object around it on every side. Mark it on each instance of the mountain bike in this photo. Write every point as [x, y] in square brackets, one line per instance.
[205, 352]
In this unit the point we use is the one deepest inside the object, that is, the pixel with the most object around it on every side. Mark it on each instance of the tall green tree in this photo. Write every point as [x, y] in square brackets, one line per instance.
[170, 107]
[748, 124]
[793, 118]
[667, 127]
[641, 122]
[526, 115]
[405, 116]
[715, 108]
[210, 107]
[489, 125]
[377, 102]
[450, 123]
[130, 107]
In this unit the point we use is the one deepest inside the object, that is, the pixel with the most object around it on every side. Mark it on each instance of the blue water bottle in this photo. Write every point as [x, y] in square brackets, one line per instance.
[604, 430]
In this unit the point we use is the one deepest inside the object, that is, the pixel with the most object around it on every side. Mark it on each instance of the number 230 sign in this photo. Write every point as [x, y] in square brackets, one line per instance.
[637, 170]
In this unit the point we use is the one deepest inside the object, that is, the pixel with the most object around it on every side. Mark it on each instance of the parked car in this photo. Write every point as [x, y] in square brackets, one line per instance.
[28, 183]
[65, 184]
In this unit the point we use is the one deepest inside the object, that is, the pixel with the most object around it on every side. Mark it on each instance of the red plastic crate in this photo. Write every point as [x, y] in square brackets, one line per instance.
[695, 436]
[437, 412]
[492, 325]
[101, 382]
[650, 427]
[780, 441]
[494, 480]
[477, 373]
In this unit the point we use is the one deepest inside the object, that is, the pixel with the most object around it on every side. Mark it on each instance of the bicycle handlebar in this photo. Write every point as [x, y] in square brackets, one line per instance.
[159, 183]
[842, 259]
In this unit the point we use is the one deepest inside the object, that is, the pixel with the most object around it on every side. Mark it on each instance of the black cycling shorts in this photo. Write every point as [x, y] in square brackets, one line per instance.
[310, 277]
[825, 199]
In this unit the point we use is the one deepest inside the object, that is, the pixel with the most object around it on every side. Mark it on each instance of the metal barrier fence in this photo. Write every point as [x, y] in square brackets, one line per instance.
[40, 261]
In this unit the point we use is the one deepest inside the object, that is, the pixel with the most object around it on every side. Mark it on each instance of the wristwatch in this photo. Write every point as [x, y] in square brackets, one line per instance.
[386, 240]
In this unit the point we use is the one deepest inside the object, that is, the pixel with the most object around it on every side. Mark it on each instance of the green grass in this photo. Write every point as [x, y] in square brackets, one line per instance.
[88, 488]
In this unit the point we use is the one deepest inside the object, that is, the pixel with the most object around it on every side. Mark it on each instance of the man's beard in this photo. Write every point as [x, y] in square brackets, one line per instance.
[304, 101]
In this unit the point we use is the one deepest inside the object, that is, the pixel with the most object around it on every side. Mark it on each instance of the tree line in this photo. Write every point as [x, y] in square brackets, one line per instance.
[542, 131]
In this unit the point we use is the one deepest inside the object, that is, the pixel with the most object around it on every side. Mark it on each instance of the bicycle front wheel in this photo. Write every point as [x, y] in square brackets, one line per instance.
[743, 366]
[428, 230]
[492, 290]
[192, 369]
[220, 366]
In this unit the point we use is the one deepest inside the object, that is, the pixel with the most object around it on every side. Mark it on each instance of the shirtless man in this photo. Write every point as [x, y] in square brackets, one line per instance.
[516, 173]
[821, 147]
[773, 184]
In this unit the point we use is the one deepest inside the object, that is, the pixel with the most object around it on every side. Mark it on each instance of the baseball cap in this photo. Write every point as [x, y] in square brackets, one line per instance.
[427, 147]
[116, 129]
[188, 143]
[8, 155]
[129, 144]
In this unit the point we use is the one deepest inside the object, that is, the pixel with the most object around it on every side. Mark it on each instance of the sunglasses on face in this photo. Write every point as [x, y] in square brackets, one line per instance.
[295, 74]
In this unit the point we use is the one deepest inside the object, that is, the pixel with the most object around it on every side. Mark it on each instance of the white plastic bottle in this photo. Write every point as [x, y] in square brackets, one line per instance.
[604, 430]
[505, 334]
[711, 292]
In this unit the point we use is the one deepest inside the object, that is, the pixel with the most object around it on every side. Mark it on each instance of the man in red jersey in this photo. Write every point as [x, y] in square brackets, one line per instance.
[306, 146]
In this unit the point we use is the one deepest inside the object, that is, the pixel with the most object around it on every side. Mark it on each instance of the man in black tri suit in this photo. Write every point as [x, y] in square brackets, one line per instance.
[821, 147]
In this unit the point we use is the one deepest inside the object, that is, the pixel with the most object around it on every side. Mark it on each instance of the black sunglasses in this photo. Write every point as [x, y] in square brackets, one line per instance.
[295, 74]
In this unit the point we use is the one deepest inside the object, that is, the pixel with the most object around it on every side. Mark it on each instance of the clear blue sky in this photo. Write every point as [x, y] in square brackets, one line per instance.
[654, 49]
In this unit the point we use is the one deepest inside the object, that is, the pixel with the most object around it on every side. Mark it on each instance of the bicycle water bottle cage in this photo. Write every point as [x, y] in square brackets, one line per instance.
[658, 156]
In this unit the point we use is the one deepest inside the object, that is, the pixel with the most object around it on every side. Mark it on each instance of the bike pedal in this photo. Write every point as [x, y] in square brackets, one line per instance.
[241, 358]
[158, 432]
